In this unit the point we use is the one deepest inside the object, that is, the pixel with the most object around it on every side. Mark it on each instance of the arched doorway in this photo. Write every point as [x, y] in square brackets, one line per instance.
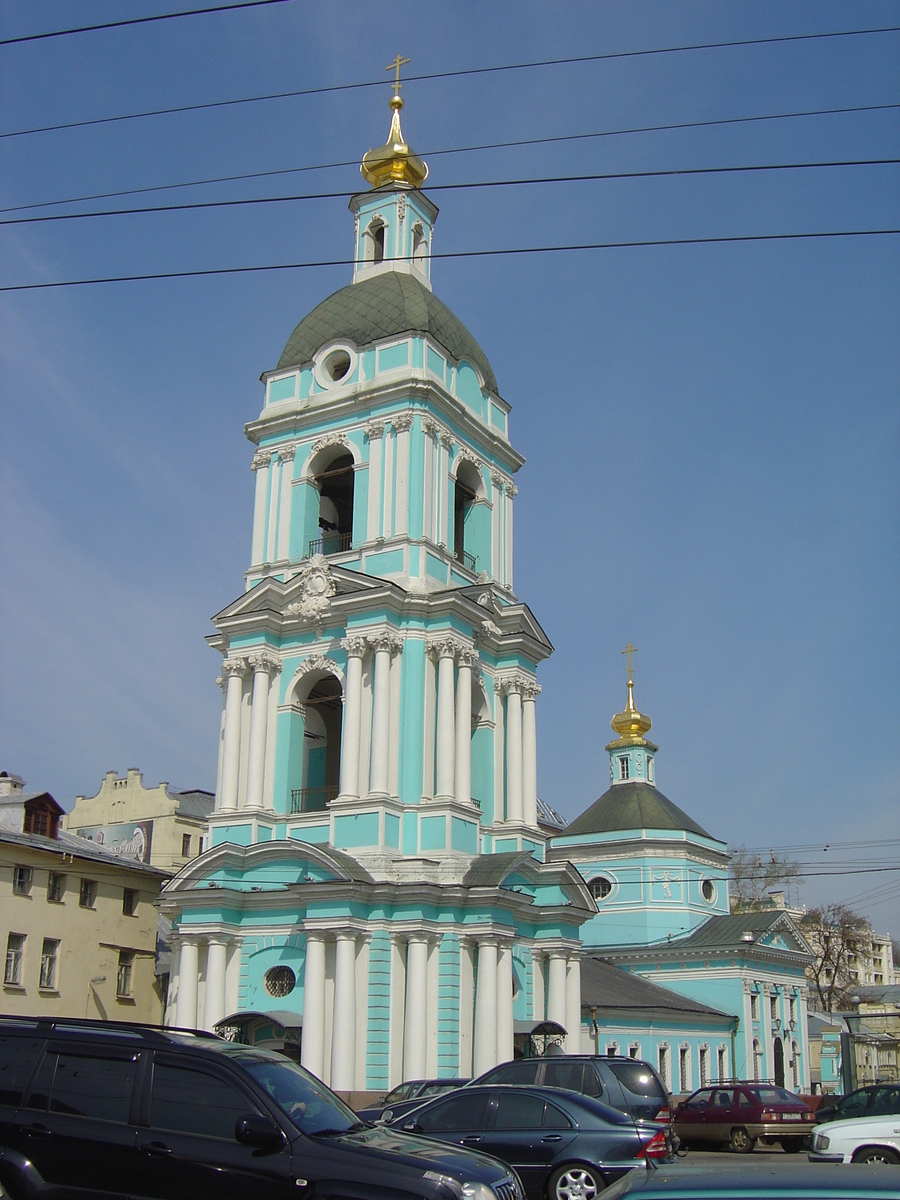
[334, 481]
[779, 1062]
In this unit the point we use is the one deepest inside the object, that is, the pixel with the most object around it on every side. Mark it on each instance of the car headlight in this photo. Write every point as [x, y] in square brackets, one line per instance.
[478, 1191]
[464, 1191]
[822, 1142]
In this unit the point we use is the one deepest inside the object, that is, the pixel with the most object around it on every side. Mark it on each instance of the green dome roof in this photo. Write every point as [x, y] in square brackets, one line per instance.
[633, 805]
[379, 307]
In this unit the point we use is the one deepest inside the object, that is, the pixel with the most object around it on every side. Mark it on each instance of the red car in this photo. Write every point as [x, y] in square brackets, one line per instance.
[739, 1113]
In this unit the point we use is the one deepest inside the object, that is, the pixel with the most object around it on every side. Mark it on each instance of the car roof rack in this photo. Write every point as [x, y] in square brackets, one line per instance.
[153, 1034]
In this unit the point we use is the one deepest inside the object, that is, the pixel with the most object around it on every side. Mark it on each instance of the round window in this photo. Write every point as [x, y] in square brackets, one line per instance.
[707, 891]
[280, 981]
[600, 887]
[337, 365]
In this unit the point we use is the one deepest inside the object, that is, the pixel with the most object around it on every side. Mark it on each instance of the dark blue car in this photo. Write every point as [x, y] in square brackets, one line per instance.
[561, 1144]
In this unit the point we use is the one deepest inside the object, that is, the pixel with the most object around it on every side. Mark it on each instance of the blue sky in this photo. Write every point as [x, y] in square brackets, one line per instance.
[711, 432]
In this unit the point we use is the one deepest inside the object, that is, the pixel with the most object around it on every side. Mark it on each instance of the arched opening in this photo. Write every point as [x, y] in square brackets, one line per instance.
[320, 778]
[373, 250]
[335, 484]
[419, 246]
[779, 1062]
[469, 486]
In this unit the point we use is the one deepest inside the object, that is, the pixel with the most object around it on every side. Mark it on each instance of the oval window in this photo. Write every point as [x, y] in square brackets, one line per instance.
[337, 365]
[707, 891]
[600, 887]
[280, 981]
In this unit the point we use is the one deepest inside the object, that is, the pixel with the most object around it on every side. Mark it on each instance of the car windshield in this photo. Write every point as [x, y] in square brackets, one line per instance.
[775, 1095]
[311, 1106]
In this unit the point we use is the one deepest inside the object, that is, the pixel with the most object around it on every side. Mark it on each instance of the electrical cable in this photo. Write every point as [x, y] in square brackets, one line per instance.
[509, 251]
[469, 71]
[191, 12]
[354, 162]
[454, 187]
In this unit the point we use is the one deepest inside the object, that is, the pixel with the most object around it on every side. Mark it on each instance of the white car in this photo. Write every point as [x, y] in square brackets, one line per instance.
[860, 1140]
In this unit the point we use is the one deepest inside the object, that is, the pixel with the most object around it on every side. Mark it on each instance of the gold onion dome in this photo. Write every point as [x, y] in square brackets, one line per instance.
[630, 724]
[394, 162]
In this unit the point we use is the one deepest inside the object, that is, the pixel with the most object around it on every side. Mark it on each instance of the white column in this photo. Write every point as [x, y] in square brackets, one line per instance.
[505, 1025]
[312, 1045]
[485, 1055]
[385, 645]
[497, 504]
[374, 431]
[511, 491]
[538, 1003]
[573, 1005]
[556, 989]
[350, 728]
[234, 671]
[464, 725]
[343, 1042]
[284, 507]
[402, 425]
[273, 510]
[188, 975]
[214, 1000]
[260, 466]
[415, 1042]
[529, 754]
[263, 664]
[514, 810]
[446, 748]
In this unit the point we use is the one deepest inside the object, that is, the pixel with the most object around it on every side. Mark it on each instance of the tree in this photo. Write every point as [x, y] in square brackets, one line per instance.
[836, 934]
[753, 877]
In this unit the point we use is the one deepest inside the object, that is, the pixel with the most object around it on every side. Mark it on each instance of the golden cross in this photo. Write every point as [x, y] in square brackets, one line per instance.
[398, 62]
[629, 650]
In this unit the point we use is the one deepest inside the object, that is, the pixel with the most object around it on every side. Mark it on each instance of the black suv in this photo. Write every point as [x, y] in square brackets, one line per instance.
[628, 1084]
[95, 1109]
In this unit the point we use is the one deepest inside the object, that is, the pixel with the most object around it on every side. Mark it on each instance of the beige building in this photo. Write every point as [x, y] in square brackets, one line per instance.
[150, 824]
[78, 922]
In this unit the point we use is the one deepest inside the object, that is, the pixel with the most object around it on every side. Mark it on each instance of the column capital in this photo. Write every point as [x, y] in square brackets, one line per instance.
[531, 691]
[261, 458]
[498, 479]
[286, 453]
[384, 639]
[445, 438]
[234, 666]
[511, 489]
[445, 645]
[430, 425]
[374, 429]
[264, 661]
[514, 681]
[354, 645]
[402, 421]
[468, 656]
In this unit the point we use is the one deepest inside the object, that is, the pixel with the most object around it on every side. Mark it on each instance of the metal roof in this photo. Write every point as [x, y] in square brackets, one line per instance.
[78, 847]
[379, 307]
[725, 932]
[633, 805]
[605, 986]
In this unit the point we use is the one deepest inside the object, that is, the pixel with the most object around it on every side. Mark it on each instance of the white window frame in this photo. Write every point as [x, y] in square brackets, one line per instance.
[23, 878]
[49, 964]
[15, 957]
[125, 975]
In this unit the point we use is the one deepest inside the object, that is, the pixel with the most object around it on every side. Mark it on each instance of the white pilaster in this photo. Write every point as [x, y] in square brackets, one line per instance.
[260, 466]
[312, 1046]
[463, 770]
[263, 665]
[402, 424]
[573, 1005]
[275, 468]
[466, 1007]
[234, 671]
[514, 810]
[529, 754]
[384, 644]
[350, 729]
[374, 432]
[188, 979]
[284, 507]
[214, 999]
[445, 649]
[511, 491]
[343, 1042]
[505, 1024]
[388, 442]
[485, 1055]
[415, 1048]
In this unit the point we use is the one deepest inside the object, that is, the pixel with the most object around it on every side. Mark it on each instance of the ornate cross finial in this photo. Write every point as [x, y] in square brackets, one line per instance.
[398, 62]
[629, 650]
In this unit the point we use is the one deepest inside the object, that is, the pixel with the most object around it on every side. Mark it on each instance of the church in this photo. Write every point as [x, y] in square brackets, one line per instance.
[384, 895]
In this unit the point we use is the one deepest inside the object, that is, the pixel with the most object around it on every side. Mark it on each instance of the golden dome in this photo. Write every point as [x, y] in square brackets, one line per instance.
[630, 724]
[394, 162]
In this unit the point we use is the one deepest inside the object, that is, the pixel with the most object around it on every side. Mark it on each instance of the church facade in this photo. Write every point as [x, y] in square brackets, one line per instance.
[382, 886]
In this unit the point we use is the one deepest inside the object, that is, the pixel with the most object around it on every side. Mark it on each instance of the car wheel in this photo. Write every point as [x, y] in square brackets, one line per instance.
[876, 1154]
[575, 1182]
[740, 1141]
[792, 1145]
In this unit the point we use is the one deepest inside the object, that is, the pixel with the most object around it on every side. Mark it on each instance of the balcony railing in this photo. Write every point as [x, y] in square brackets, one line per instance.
[331, 543]
[314, 799]
[467, 559]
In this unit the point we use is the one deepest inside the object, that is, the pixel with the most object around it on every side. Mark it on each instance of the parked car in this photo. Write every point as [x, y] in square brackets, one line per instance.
[860, 1140]
[876, 1100]
[809, 1181]
[740, 1113]
[628, 1084]
[90, 1109]
[407, 1096]
[560, 1144]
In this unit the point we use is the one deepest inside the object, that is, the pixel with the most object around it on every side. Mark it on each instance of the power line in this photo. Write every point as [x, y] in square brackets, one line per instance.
[354, 162]
[379, 83]
[454, 187]
[191, 12]
[507, 252]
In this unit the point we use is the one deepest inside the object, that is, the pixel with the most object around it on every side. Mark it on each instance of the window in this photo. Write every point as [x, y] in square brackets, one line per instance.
[123, 974]
[757, 1059]
[623, 766]
[22, 877]
[194, 1102]
[519, 1110]
[18, 1056]
[468, 486]
[457, 1112]
[334, 477]
[650, 768]
[378, 244]
[49, 952]
[15, 950]
[129, 902]
[612, 1049]
[773, 1007]
[637, 1080]
[664, 1065]
[792, 1008]
[280, 981]
[185, 845]
[522, 1071]
[420, 244]
[56, 885]
[701, 1100]
[723, 1064]
[795, 1065]
[754, 1006]
[568, 1075]
[684, 1068]
[634, 1051]
[87, 893]
[336, 365]
[704, 1066]
[555, 1119]
[707, 891]
[99, 1088]
[600, 887]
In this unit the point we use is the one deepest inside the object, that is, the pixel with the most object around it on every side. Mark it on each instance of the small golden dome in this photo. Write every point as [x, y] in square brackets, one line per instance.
[394, 162]
[630, 724]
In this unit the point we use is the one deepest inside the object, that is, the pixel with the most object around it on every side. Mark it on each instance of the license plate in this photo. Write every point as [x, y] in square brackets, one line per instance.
[792, 1116]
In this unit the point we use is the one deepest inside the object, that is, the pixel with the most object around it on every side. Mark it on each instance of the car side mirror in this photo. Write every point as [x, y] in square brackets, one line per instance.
[410, 1127]
[257, 1130]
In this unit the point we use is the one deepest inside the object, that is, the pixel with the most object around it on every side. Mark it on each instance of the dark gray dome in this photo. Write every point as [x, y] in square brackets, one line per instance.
[633, 805]
[383, 306]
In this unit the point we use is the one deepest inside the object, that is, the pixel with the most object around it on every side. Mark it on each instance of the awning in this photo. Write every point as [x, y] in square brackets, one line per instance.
[280, 1016]
[540, 1028]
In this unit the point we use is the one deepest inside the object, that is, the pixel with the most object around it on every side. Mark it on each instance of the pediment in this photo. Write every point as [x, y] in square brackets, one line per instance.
[784, 934]
[268, 866]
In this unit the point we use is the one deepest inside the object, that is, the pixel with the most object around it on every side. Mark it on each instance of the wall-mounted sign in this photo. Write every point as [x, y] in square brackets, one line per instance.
[131, 840]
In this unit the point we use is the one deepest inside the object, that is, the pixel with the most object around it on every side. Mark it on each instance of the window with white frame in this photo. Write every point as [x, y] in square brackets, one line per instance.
[22, 877]
[49, 954]
[612, 1049]
[684, 1068]
[792, 1008]
[56, 886]
[754, 1006]
[15, 952]
[123, 974]
[723, 1064]
[634, 1050]
[704, 1066]
[650, 768]
[623, 766]
[795, 1065]
[663, 1061]
[773, 1006]
[757, 1059]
